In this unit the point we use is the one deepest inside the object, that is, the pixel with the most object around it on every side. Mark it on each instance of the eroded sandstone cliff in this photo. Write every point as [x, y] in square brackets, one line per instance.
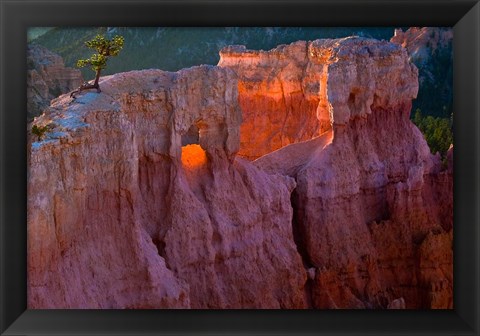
[137, 198]
[373, 207]
[282, 94]
[47, 78]
[121, 216]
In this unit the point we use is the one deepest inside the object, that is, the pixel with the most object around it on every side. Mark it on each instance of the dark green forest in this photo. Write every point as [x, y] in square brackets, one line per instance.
[174, 48]
[438, 132]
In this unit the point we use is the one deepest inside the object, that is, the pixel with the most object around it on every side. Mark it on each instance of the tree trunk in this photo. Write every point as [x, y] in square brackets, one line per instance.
[86, 86]
[97, 78]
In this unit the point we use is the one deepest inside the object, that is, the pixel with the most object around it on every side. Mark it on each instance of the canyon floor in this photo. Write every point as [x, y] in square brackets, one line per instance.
[291, 178]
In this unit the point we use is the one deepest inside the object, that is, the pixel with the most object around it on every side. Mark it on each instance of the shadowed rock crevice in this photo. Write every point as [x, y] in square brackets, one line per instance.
[300, 243]
[297, 231]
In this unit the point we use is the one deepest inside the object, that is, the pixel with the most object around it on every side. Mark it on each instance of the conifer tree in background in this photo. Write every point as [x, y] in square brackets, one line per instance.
[437, 131]
[104, 48]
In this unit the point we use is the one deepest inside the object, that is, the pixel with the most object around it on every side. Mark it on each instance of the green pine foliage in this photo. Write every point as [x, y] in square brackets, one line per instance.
[40, 131]
[436, 130]
[105, 48]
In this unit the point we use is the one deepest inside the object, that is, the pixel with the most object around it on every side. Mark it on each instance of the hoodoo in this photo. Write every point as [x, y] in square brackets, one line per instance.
[289, 178]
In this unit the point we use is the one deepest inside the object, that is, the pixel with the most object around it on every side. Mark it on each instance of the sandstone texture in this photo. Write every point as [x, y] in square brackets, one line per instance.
[282, 93]
[47, 78]
[372, 206]
[121, 216]
[145, 195]
[285, 93]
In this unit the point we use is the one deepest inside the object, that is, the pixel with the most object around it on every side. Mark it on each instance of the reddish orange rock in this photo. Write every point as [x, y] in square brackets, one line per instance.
[136, 197]
[368, 199]
[120, 215]
[281, 93]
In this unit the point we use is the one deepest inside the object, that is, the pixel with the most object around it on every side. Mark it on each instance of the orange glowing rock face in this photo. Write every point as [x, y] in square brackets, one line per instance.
[282, 94]
[193, 157]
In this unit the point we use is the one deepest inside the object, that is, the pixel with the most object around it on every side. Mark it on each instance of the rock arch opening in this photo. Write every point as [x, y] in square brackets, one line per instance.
[192, 137]
[193, 155]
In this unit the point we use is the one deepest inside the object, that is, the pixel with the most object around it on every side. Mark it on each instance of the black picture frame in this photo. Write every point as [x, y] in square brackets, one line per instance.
[17, 15]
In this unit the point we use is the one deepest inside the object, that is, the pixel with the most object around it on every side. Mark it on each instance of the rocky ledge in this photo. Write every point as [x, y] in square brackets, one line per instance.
[141, 196]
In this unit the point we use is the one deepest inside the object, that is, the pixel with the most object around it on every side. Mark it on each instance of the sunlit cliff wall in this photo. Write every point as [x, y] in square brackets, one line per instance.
[120, 216]
[137, 197]
[373, 207]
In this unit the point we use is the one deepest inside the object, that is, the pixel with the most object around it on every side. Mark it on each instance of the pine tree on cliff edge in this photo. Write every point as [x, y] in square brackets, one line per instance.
[105, 48]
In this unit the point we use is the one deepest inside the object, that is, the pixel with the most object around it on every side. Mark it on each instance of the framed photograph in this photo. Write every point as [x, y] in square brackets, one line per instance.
[254, 167]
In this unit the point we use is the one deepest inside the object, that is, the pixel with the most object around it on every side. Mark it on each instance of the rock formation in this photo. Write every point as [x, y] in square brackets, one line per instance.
[47, 78]
[121, 216]
[282, 95]
[373, 208]
[283, 92]
[431, 50]
[422, 42]
[137, 198]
